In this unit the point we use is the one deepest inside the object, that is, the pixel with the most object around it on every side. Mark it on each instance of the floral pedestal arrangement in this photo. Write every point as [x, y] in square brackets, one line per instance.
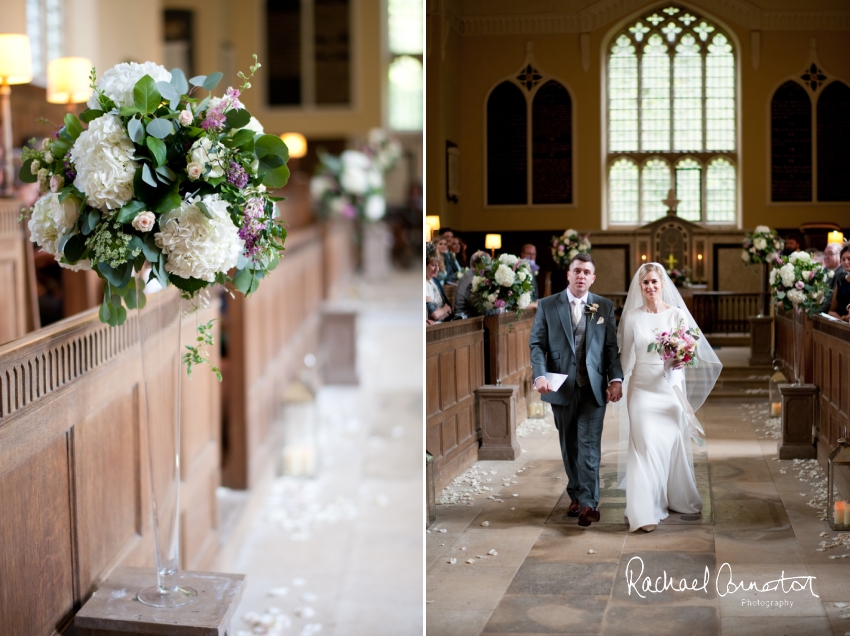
[377, 250]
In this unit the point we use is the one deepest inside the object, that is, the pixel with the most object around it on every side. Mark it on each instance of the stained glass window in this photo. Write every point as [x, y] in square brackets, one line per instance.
[45, 26]
[720, 191]
[689, 189]
[671, 93]
[405, 73]
[655, 184]
[623, 104]
[623, 192]
[655, 95]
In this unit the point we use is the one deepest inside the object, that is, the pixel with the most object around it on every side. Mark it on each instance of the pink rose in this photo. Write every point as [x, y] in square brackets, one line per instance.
[799, 284]
[185, 117]
[144, 221]
[499, 303]
[194, 170]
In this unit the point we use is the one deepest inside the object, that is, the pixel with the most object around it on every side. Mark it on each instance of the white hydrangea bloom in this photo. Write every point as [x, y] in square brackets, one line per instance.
[209, 154]
[508, 259]
[760, 244]
[319, 185]
[787, 274]
[103, 157]
[505, 276]
[762, 229]
[476, 281]
[118, 82]
[198, 247]
[521, 275]
[570, 233]
[375, 208]
[801, 257]
[51, 219]
[773, 274]
[355, 176]
[524, 300]
[796, 296]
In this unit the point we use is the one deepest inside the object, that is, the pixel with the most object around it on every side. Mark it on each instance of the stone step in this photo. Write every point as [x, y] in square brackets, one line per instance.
[738, 384]
[747, 394]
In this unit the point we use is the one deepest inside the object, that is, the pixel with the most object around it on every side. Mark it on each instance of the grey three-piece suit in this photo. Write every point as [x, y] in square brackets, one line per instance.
[587, 353]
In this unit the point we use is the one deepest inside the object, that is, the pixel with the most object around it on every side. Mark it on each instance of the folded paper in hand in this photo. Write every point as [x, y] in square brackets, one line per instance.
[555, 380]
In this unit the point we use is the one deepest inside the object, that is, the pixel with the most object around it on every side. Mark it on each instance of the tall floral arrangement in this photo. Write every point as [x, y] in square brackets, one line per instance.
[761, 246]
[799, 283]
[155, 173]
[499, 283]
[566, 246]
[679, 277]
[352, 184]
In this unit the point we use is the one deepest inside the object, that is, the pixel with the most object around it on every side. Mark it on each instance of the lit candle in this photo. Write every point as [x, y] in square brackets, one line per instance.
[835, 237]
[775, 409]
[839, 513]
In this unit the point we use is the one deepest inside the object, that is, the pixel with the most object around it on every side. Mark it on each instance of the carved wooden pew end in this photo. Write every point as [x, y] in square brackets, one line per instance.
[338, 345]
[798, 417]
[113, 608]
[497, 413]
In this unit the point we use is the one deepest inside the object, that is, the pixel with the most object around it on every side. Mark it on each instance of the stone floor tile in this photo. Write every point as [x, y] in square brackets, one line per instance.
[565, 614]
[440, 621]
[671, 538]
[658, 577]
[542, 578]
[572, 544]
[765, 596]
[779, 623]
[511, 544]
[467, 586]
[833, 582]
[652, 620]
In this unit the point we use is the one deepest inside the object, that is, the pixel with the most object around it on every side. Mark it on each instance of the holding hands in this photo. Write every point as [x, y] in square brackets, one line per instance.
[614, 392]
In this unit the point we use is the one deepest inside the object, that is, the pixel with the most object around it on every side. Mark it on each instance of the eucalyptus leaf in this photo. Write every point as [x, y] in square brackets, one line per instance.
[166, 172]
[145, 96]
[63, 240]
[190, 285]
[243, 262]
[203, 208]
[130, 211]
[212, 80]
[117, 276]
[73, 125]
[159, 271]
[128, 111]
[90, 221]
[169, 202]
[167, 90]
[272, 154]
[104, 314]
[157, 148]
[237, 118]
[88, 116]
[198, 80]
[147, 175]
[178, 81]
[136, 130]
[149, 248]
[243, 139]
[25, 173]
[160, 128]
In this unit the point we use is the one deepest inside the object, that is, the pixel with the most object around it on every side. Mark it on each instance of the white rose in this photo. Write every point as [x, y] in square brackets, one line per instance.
[144, 221]
[773, 274]
[185, 117]
[570, 233]
[35, 166]
[745, 256]
[254, 125]
[524, 300]
[796, 297]
[573, 253]
[492, 298]
[760, 244]
[103, 157]
[45, 143]
[786, 272]
[56, 182]
[196, 246]
[51, 219]
[194, 170]
[376, 206]
[476, 281]
[118, 82]
[521, 275]
[505, 276]
[48, 157]
[762, 229]
[208, 153]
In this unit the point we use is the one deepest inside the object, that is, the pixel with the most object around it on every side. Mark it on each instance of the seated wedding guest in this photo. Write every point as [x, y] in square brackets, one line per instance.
[439, 246]
[529, 254]
[832, 261]
[793, 243]
[463, 299]
[437, 304]
[458, 247]
[450, 261]
[840, 306]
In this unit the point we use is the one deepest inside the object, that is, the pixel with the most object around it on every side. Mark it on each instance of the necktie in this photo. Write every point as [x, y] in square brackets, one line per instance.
[576, 312]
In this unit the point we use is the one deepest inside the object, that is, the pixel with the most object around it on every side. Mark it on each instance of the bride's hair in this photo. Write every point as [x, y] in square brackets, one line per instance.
[649, 267]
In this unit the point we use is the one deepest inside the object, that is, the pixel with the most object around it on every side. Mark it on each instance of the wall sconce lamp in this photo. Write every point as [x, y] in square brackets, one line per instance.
[15, 68]
[432, 224]
[68, 81]
[493, 242]
[296, 143]
[835, 237]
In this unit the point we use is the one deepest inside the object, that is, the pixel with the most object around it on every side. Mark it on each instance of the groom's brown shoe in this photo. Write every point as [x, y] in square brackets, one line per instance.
[587, 515]
[574, 508]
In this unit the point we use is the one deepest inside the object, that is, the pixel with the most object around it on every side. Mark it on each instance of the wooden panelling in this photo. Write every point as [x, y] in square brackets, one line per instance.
[17, 308]
[74, 483]
[784, 346]
[509, 355]
[454, 369]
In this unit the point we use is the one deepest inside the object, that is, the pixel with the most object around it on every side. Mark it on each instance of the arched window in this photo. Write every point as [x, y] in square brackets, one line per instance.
[809, 139]
[671, 113]
[535, 168]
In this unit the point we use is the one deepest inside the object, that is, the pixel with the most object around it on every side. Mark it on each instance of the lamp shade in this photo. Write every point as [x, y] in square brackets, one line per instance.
[433, 221]
[493, 241]
[68, 80]
[15, 59]
[297, 144]
[835, 237]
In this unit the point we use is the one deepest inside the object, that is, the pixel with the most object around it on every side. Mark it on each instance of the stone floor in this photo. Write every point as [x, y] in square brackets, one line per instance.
[549, 576]
[342, 553]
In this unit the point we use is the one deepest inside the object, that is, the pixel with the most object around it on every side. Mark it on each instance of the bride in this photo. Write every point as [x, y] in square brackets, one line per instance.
[655, 460]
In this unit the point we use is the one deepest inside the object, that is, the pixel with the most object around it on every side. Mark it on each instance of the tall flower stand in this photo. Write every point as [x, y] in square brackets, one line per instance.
[798, 418]
[113, 610]
[376, 250]
[761, 340]
[497, 413]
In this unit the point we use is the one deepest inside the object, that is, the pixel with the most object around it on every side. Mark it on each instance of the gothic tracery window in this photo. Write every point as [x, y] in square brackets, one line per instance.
[671, 119]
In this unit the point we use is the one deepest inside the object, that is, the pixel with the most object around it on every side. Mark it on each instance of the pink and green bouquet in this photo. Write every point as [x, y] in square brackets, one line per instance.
[677, 345]
[502, 284]
[798, 283]
[761, 246]
[566, 246]
[157, 173]
[679, 277]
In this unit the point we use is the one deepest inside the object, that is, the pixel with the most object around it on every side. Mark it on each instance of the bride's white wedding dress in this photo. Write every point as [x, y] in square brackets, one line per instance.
[658, 466]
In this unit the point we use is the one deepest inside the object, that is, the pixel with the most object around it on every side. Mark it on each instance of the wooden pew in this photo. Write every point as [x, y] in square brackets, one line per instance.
[74, 486]
[454, 369]
[784, 346]
[508, 358]
[831, 373]
[19, 309]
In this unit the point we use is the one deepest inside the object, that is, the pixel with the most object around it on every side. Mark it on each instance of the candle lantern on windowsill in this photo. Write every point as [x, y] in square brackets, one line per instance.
[839, 510]
[775, 396]
[300, 455]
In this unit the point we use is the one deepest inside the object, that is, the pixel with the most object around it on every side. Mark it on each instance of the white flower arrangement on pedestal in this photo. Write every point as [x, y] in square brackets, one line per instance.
[762, 245]
[566, 246]
[798, 283]
[502, 283]
[153, 173]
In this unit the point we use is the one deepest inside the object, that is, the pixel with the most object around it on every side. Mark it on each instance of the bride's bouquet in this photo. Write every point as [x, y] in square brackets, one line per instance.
[678, 345]
[761, 246]
[799, 283]
[566, 246]
[503, 283]
[152, 172]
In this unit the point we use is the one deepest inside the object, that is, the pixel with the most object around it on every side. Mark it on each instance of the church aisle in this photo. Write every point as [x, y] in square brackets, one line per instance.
[549, 576]
[342, 553]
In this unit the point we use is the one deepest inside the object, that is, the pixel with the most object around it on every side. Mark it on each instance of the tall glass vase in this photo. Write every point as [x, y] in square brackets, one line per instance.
[799, 318]
[160, 327]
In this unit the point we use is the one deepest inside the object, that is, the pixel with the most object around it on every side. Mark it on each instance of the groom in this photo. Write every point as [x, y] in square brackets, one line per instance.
[575, 333]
